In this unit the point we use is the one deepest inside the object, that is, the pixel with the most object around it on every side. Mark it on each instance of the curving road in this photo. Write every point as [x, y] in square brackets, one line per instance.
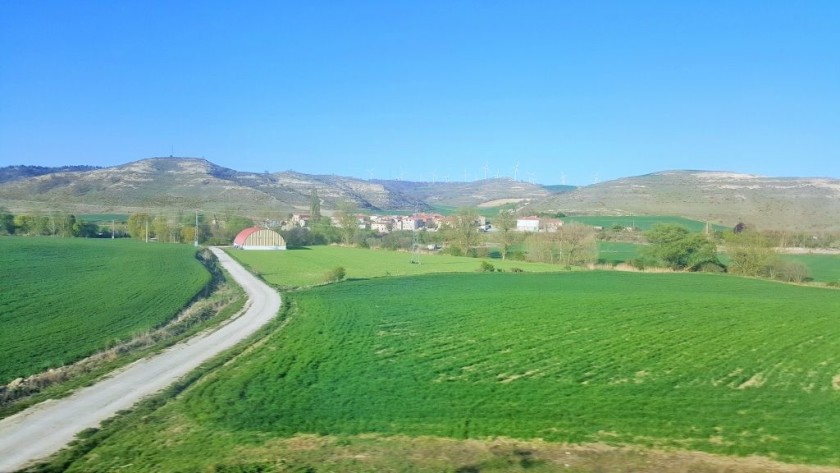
[45, 428]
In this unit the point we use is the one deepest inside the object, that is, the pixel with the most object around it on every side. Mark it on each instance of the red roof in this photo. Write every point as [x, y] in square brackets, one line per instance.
[244, 234]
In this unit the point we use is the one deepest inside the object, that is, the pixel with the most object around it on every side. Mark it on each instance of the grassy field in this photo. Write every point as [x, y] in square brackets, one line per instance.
[643, 223]
[614, 252]
[688, 361]
[62, 299]
[823, 268]
[306, 267]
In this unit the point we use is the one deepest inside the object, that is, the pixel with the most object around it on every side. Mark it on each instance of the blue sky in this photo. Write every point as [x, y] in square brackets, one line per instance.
[573, 92]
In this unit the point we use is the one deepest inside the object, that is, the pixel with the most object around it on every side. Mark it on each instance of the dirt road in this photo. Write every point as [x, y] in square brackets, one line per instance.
[45, 428]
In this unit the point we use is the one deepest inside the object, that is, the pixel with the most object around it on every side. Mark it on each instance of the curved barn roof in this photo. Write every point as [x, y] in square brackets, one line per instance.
[244, 234]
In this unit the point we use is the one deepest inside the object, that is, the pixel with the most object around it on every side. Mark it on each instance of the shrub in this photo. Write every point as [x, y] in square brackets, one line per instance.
[515, 270]
[335, 274]
[790, 271]
[486, 267]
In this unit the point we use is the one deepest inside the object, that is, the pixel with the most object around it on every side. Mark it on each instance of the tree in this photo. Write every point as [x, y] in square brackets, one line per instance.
[463, 232]
[7, 223]
[137, 225]
[679, 249]
[505, 224]
[347, 220]
[578, 244]
[315, 206]
[161, 228]
[750, 253]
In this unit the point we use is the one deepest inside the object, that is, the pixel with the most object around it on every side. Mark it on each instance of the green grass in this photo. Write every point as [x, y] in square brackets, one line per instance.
[305, 267]
[63, 299]
[614, 252]
[823, 268]
[642, 222]
[690, 361]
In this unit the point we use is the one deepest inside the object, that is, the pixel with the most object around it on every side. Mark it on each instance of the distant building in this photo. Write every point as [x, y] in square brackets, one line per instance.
[257, 238]
[528, 224]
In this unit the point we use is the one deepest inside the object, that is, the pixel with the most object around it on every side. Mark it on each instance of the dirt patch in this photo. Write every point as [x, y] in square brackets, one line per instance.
[756, 381]
[835, 382]
[499, 202]
[434, 454]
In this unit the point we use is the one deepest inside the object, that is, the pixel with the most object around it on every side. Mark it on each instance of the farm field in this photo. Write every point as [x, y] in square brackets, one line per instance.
[685, 361]
[614, 252]
[642, 222]
[63, 299]
[823, 268]
[305, 267]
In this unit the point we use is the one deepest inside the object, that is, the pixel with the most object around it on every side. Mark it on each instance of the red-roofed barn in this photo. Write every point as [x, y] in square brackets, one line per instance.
[257, 238]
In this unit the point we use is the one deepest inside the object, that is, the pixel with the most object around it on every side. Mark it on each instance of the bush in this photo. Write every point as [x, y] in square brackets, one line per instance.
[790, 271]
[335, 275]
[833, 284]
[486, 267]
[515, 270]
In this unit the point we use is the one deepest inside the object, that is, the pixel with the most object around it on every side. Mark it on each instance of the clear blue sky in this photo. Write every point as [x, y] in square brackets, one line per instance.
[583, 90]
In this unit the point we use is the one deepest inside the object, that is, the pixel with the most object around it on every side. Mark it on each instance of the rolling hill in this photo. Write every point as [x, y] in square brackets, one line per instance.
[188, 183]
[769, 203]
[802, 204]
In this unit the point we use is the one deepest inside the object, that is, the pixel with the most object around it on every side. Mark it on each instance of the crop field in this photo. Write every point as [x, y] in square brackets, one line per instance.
[62, 299]
[642, 222]
[687, 361]
[614, 252]
[823, 268]
[304, 267]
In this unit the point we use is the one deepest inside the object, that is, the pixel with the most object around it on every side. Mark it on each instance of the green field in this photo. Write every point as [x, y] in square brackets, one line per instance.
[642, 222]
[306, 267]
[688, 361]
[614, 252]
[62, 299]
[823, 268]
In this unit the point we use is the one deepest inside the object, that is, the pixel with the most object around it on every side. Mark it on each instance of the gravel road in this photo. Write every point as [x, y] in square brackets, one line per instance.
[45, 428]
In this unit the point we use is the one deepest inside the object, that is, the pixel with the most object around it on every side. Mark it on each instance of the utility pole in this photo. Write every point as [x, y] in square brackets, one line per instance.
[147, 230]
[113, 228]
[196, 228]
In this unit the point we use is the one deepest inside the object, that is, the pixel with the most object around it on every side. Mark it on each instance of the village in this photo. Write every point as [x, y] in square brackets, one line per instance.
[432, 222]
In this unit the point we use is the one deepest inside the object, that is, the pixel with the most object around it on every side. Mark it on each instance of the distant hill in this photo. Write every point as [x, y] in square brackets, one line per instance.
[718, 197]
[192, 183]
[182, 184]
[13, 173]
[483, 193]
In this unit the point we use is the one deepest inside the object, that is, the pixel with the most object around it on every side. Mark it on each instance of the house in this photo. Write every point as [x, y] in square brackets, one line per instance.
[528, 224]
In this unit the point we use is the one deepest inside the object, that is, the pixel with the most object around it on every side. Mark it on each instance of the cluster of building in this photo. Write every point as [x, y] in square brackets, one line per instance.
[261, 238]
[430, 222]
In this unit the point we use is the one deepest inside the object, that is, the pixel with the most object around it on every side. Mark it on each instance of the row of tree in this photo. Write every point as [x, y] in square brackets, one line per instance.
[48, 224]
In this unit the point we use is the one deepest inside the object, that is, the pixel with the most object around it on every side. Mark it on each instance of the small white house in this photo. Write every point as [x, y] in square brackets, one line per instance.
[528, 224]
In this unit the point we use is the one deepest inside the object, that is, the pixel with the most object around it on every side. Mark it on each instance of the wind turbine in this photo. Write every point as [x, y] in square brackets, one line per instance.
[563, 178]
[485, 169]
[516, 171]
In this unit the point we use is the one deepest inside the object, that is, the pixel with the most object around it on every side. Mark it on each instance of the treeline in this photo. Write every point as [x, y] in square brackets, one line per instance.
[181, 228]
[49, 224]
